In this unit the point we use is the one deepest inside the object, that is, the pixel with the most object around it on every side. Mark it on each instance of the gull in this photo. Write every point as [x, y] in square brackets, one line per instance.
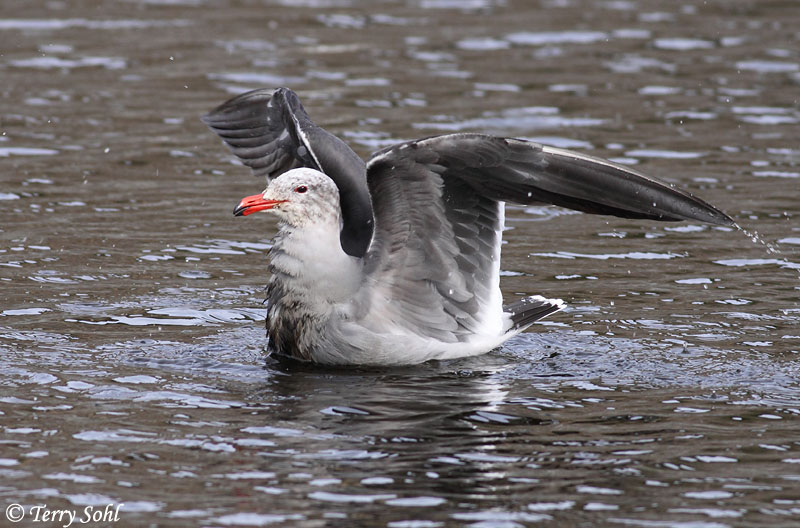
[397, 261]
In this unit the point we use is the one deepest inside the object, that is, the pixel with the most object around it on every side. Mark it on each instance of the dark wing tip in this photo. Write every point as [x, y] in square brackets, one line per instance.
[236, 108]
[621, 190]
[705, 212]
[258, 127]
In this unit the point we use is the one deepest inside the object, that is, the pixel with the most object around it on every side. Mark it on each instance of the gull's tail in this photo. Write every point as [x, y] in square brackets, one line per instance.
[527, 311]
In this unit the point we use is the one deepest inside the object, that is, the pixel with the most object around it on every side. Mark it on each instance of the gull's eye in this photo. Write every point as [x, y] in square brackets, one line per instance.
[301, 189]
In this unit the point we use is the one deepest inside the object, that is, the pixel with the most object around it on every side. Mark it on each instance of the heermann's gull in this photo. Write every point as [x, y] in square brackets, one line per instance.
[397, 261]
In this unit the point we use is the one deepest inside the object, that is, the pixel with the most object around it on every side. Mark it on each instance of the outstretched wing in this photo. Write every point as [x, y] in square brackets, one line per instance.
[525, 172]
[270, 132]
[438, 203]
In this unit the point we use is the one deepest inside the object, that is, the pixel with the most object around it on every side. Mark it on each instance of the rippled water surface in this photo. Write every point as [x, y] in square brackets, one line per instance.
[132, 366]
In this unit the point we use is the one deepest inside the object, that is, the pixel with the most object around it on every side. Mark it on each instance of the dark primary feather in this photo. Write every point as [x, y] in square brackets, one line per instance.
[259, 130]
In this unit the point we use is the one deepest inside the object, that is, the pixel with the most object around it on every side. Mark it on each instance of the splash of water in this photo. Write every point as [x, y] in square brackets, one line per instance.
[772, 247]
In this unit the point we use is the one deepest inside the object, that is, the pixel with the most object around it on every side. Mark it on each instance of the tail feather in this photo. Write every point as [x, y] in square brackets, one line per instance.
[530, 309]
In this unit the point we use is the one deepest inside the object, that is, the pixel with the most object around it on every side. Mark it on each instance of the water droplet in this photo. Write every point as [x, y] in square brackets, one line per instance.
[771, 247]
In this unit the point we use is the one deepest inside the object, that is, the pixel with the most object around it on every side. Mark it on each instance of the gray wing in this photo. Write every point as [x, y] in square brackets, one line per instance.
[270, 132]
[434, 260]
[438, 206]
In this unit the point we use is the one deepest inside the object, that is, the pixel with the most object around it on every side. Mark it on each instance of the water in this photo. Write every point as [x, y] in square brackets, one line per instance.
[131, 334]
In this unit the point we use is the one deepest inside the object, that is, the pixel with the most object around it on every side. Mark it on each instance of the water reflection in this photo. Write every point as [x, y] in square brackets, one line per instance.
[433, 423]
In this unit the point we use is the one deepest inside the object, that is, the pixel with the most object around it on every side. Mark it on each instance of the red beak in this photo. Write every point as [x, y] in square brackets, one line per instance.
[253, 204]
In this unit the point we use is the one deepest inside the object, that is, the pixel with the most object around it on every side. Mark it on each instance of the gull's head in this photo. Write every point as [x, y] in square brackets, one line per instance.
[297, 196]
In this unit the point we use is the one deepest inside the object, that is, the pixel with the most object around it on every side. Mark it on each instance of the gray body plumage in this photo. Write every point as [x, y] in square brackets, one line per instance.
[397, 261]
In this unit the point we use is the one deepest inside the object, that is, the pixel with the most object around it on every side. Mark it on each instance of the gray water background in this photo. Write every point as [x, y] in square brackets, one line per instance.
[132, 364]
